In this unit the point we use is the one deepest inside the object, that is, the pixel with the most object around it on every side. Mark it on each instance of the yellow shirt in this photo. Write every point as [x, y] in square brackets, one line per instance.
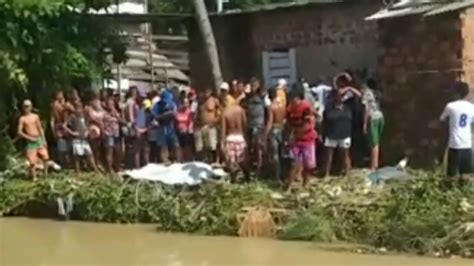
[229, 100]
[147, 103]
[281, 96]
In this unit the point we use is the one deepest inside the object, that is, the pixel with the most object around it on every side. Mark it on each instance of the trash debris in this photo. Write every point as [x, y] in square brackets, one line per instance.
[65, 207]
[390, 173]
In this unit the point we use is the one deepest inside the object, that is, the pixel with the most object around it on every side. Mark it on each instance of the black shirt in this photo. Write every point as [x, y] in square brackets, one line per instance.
[337, 122]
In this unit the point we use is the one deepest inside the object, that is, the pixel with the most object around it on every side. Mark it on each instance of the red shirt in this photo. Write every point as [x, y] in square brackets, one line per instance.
[299, 117]
[184, 120]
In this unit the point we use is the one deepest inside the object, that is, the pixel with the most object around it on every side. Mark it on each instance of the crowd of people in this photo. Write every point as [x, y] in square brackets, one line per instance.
[244, 126]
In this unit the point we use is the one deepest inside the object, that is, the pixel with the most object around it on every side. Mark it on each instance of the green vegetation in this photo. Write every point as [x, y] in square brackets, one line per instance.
[423, 216]
[49, 45]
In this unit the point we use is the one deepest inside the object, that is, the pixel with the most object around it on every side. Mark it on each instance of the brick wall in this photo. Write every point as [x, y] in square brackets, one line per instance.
[327, 38]
[468, 48]
[419, 59]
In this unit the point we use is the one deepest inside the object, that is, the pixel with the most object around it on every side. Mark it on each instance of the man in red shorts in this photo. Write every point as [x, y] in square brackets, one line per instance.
[300, 121]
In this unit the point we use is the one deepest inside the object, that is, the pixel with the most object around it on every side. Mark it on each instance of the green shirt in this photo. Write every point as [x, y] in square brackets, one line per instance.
[373, 106]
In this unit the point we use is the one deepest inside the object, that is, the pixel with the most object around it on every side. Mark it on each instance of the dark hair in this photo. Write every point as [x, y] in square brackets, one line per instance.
[139, 100]
[272, 94]
[461, 89]
[372, 84]
[131, 89]
[254, 81]
[296, 92]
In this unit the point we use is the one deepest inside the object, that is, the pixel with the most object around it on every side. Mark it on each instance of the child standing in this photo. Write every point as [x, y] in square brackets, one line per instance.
[112, 135]
[141, 129]
[77, 128]
[184, 122]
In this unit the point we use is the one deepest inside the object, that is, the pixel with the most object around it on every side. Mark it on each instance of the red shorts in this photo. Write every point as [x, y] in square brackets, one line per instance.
[235, 148]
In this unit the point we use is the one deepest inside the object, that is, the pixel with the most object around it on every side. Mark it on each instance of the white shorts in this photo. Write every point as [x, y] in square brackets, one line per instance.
[206, 138]
[338, 143]
[81, 147]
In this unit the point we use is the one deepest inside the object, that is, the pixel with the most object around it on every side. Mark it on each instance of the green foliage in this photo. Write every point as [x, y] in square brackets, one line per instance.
[48, 44]
[422, 216]
[208, 209]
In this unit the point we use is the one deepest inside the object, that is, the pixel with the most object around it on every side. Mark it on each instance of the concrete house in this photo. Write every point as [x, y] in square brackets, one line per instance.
[423, 48]
[309, 39]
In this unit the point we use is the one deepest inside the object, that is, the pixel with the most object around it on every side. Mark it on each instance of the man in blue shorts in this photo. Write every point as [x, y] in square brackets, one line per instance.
[164, 113]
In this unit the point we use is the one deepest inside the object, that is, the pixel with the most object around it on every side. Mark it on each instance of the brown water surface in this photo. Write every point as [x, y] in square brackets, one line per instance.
[47, 243]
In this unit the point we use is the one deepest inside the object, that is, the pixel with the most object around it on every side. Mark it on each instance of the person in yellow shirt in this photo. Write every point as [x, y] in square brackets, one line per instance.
[228, 99]
[281, 91]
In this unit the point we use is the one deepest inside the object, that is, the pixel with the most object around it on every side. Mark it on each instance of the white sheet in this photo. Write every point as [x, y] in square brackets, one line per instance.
[192, 173]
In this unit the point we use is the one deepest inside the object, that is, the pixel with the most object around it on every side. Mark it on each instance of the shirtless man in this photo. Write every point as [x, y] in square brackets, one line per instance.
[59, 117]
[232, 138]
[275, 130]
[206, 135]
[30, 128]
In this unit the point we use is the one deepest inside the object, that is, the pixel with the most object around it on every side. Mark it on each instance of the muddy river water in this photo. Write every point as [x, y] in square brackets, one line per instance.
[45, 243]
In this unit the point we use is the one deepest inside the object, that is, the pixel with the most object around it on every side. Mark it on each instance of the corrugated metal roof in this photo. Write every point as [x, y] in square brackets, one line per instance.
[451, 7]
[271, 7]
[426, 8]
[392, 13]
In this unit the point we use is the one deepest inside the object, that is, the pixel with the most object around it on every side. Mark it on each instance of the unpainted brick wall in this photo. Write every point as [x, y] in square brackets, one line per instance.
[468, 47]
[419, 60]
[320, 30]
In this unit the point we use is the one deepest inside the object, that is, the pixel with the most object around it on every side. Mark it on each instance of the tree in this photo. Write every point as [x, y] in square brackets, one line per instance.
[47, 45]
[208, 36]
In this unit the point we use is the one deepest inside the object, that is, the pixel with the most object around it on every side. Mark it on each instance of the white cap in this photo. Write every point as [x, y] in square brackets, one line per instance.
[225, 86]
[282, 83]
[184, 89]
[27, 103]
[306, 85]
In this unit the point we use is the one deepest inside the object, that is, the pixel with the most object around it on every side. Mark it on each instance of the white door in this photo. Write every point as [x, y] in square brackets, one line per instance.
[279, 64]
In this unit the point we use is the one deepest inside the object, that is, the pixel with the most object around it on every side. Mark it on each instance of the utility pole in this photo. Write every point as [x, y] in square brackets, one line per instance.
[220, 5]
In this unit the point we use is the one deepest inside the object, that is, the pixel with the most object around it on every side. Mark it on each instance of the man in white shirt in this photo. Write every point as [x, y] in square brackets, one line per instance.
[460, 114]
[322, 90]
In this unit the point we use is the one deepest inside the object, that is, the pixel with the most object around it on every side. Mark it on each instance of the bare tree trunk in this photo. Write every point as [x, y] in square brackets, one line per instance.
[209, 40]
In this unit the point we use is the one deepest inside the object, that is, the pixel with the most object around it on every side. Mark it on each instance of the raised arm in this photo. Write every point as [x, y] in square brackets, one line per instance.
[351, 89]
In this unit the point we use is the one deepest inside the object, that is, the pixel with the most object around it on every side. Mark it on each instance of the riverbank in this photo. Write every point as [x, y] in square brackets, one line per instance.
[423, 216]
